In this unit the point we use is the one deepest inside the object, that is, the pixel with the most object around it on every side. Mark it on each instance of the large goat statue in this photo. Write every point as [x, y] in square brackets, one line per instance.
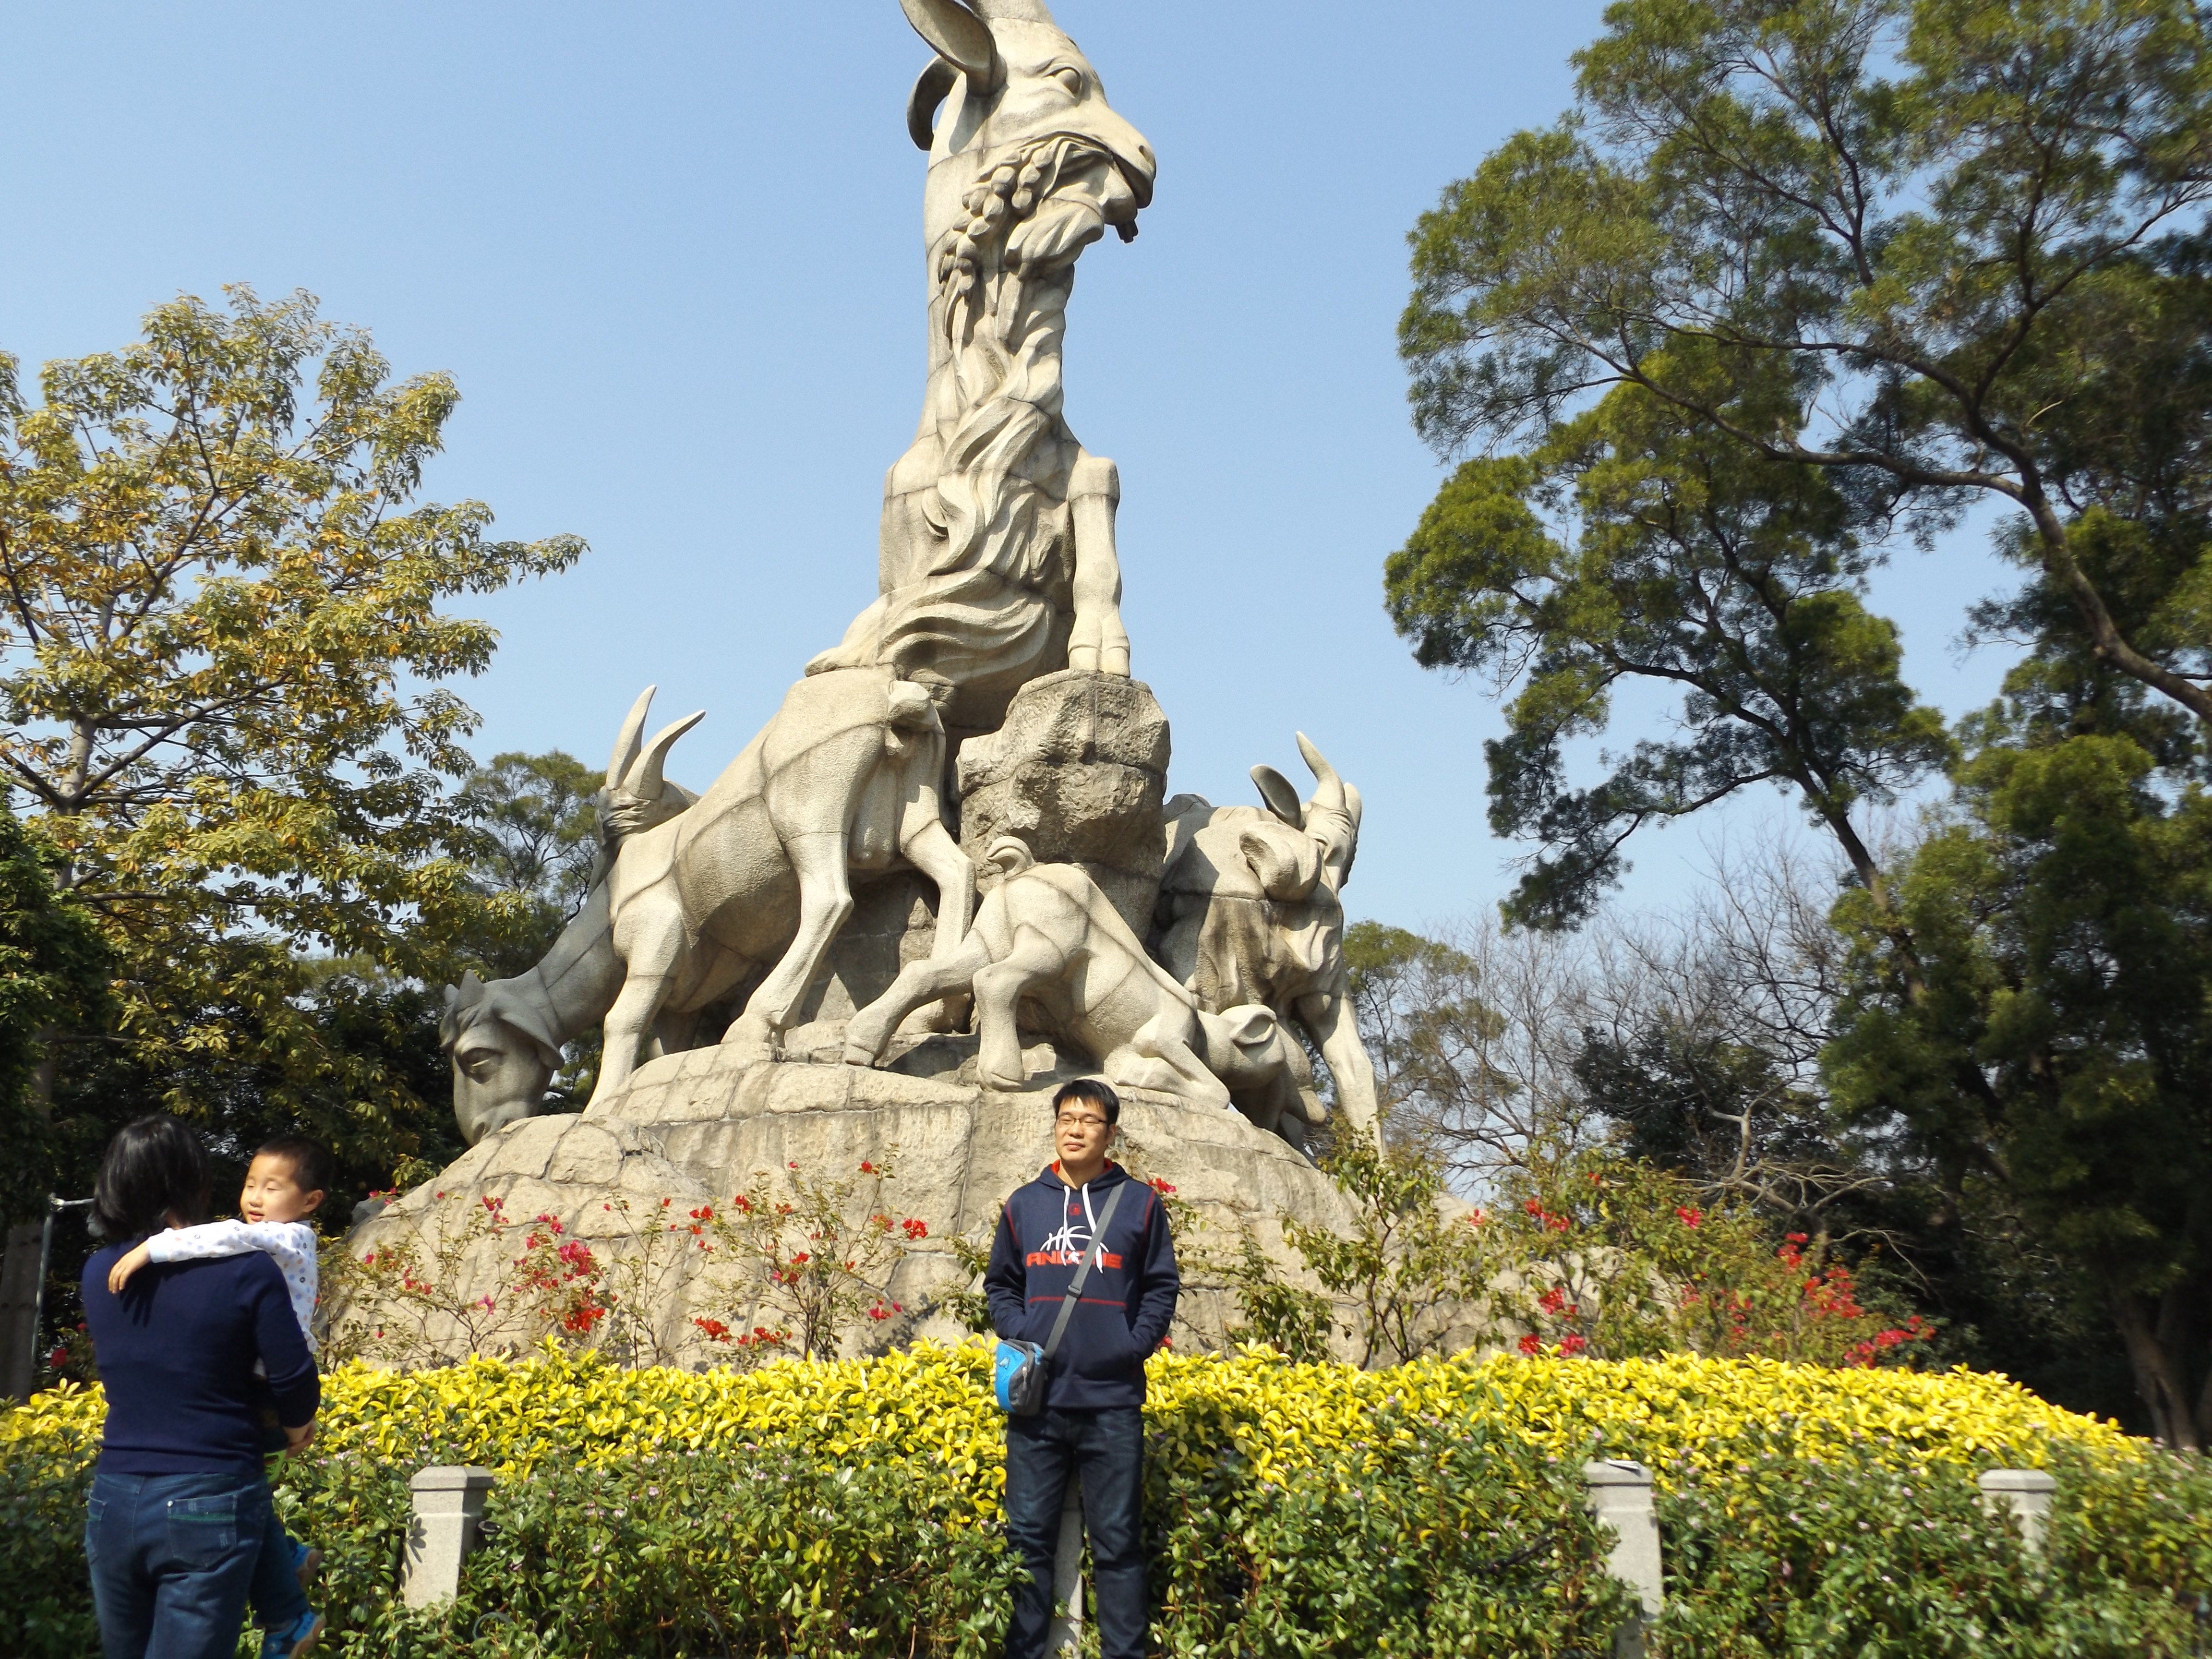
[997, 562]
[1249, 913]
[1046, 935]
[754, 875]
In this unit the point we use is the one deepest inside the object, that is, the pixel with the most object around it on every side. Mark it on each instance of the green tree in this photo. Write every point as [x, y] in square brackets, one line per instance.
[1958, 242]
[538, 836]
[2061, 914]
[53, 979]
[219, 612]
[218, 604]
[1630, 547]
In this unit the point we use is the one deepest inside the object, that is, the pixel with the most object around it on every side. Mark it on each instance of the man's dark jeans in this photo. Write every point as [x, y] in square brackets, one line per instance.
[1106, 1450]
[172, 1556]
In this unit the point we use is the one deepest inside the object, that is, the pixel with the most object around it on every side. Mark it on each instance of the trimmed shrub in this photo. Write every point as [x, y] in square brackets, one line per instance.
[852, 1508]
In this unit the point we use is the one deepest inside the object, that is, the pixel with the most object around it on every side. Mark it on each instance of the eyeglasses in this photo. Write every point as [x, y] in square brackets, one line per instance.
[1068, 1120]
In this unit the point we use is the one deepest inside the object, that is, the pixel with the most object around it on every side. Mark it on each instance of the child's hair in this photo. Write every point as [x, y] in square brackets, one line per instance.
[156, 1167]
[311, 1161]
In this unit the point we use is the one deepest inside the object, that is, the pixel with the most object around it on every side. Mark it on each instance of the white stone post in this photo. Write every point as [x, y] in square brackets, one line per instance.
[449, 1504]
[2025, 1494]
[1066, 1633]
[1620, 1497]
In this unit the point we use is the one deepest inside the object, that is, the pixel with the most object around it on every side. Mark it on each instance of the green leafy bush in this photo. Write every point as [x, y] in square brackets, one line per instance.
[1850, 1557]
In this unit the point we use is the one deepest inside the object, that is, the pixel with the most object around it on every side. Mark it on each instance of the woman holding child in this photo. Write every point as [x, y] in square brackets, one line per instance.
[199, 1336]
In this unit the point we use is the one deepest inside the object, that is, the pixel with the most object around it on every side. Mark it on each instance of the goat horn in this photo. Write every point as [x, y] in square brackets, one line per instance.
[1328, 789]
[961, 37]
[626, 745]
[931, 89]
[645, 780]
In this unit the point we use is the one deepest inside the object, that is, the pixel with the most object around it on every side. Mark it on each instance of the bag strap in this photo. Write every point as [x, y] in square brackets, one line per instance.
[1083, 1272]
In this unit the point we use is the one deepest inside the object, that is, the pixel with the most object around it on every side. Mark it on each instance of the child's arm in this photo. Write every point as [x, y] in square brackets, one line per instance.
[127, 1264]
[292, 1243]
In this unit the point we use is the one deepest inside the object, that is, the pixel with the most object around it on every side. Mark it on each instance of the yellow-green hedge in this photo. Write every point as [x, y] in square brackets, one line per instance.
[930, 1405]
[852, 1508]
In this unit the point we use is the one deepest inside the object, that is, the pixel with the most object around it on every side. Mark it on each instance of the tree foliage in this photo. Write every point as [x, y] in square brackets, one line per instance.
[1628, 547]
[538, 835]
[53, 978]
[219, 615]
[1958, 243]
[2061, 915]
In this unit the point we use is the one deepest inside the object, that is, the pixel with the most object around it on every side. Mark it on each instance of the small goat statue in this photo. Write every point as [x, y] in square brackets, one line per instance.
[997, 558]
[751, 879]
[1249, 913]
[1047, 935]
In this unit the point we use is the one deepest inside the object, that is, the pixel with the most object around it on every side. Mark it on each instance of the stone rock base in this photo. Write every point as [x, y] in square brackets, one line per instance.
[1078, 771]
[696, 1128]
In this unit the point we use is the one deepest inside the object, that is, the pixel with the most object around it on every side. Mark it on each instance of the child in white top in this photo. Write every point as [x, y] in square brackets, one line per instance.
[284, 1186]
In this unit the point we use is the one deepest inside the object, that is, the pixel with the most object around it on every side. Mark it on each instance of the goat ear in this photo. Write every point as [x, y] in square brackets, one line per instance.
[1251, 1025]
[1282, 801]
[960, 37]
[1287, 866]
[533, 1026]
[930, 90]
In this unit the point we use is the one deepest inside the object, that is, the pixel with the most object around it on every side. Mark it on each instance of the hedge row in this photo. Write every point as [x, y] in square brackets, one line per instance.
[852, 1508]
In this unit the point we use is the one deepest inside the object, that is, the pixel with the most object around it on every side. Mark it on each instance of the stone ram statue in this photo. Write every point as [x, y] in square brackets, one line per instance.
[754, 875]
[1046, 934]
[1249, 913]
[997, 562]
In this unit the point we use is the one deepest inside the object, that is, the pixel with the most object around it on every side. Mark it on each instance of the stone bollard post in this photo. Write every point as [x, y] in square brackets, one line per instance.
[449, 1504]
[2025, 1494]
[1065, 1635]
[1620, 1497]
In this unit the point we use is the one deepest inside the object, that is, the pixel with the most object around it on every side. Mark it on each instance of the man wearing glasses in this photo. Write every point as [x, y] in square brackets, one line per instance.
[1092, 1423]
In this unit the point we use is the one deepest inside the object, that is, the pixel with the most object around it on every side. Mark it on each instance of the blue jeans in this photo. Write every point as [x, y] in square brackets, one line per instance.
[278, 1601]
[1106, 1449]
[172, 1556]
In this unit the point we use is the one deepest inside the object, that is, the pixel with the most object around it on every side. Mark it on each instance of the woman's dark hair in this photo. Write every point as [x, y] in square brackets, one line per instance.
[1097, 1091]
[154, 1167]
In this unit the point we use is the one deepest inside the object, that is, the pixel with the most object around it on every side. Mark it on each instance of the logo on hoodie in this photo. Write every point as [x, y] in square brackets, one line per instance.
[1065, 1245]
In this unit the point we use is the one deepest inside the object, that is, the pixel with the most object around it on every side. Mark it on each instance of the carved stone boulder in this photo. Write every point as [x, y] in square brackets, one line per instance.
[1079, 772]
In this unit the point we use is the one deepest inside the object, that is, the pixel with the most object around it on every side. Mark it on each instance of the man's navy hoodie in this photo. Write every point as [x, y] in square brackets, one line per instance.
[1127, 1301]
[176, 1352]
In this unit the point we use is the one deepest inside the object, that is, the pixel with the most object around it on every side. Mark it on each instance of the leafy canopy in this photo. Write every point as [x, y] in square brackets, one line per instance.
[1956, 238]
[1631, 547]
[219, 615]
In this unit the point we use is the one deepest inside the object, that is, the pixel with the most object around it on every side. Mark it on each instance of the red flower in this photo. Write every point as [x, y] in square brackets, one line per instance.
[914, 1228]
[1554, 1299]
[1532, 1344]
[1571, 1344]
[1689, 1214]
[715, 1329]
[1165, 1191]
[866, 1168]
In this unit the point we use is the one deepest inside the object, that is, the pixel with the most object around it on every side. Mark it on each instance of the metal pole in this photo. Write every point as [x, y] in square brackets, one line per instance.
[54, 1208]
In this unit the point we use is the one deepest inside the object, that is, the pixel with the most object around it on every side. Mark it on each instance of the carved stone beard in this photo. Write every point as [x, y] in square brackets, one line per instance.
[977, 557]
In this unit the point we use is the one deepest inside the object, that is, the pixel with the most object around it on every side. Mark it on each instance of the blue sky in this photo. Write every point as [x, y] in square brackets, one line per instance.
[671, 253]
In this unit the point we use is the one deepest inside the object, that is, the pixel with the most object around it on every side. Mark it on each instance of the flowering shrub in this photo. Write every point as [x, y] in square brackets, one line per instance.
[808, 1254]
[1606, 1256]
[1292, 1508]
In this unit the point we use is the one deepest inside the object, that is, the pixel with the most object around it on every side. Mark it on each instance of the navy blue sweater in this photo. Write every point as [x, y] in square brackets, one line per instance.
[1127, 1303]
[176, 1352]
